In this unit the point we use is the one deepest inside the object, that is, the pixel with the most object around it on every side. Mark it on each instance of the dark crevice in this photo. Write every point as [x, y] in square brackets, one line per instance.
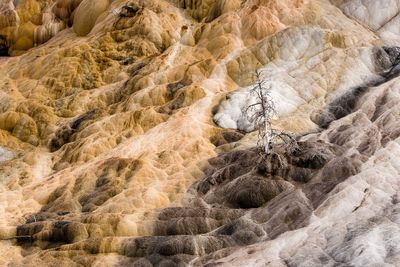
[64, 134]
[4, 47]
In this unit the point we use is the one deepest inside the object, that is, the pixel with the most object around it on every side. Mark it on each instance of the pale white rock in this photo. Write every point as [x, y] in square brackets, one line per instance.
[380, 16]
[5, 154]
[306, 68]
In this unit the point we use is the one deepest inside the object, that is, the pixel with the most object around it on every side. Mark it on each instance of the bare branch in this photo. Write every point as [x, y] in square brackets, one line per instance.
[261, 114]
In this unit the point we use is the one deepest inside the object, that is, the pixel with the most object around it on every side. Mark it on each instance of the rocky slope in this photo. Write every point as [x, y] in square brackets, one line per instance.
[123, 141]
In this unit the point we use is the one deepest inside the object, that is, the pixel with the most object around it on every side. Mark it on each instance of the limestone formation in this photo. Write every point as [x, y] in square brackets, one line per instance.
[123, 140]
[86, 15]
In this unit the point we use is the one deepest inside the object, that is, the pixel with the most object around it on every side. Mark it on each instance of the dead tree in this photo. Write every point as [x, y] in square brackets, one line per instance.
[261, 114]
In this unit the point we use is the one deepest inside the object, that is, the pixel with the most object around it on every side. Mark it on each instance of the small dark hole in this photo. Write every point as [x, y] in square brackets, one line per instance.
[3, 47]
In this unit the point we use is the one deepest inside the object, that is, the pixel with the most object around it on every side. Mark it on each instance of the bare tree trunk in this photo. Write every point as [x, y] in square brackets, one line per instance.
[266, 139]
[262, 113]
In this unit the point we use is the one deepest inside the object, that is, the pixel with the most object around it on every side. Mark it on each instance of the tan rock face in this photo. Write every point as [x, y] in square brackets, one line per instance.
[25, 24]
[208, 9]
[30, 23]
[86, 15]
[123, 139]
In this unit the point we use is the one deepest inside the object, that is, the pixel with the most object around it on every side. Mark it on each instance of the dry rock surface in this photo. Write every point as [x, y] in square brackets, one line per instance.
[123, 140]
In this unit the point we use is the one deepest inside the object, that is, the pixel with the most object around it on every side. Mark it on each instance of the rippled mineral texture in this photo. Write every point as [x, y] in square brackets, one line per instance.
[124, 142]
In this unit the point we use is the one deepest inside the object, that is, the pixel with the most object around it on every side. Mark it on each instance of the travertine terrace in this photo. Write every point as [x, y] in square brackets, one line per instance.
[123, 140]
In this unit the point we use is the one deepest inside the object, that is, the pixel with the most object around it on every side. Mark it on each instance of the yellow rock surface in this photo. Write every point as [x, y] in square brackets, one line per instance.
[86, 15]
[110, 118]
